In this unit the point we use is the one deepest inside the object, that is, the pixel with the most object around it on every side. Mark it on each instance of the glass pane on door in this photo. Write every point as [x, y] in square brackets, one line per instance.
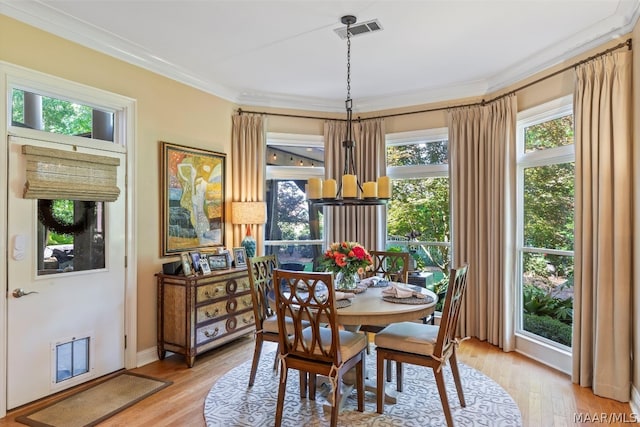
[70, 236]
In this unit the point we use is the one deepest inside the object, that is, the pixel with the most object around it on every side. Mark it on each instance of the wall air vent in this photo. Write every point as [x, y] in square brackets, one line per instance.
[360, 28]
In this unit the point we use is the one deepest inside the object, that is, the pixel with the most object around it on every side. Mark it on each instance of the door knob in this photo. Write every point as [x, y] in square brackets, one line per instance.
[19, 292]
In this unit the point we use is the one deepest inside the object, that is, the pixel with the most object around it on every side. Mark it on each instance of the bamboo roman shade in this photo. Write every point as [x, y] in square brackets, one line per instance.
[57, 174]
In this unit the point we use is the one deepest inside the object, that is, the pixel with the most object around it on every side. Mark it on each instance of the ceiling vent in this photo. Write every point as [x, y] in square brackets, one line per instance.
[358, 29]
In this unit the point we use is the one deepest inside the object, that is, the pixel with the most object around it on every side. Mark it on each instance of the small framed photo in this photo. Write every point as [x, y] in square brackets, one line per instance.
[226, 253]
[186, 264]
[240, 256]
[204, 266]
[195, 259]
[218, 261]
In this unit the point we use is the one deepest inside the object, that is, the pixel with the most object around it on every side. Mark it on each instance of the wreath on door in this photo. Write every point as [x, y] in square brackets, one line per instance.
[49, 220]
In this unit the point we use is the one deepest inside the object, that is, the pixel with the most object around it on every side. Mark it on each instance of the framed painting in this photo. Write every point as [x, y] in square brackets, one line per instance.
[192, 197]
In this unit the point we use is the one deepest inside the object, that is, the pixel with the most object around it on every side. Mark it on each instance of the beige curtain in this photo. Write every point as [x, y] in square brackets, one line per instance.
[364, 224]
[482, 168]
[248, 149]
[604, 210]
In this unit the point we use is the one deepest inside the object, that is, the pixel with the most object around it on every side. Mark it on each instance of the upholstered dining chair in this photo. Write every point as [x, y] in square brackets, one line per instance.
[322, 347]
[392, 266]
[425, 345]
[261, 281]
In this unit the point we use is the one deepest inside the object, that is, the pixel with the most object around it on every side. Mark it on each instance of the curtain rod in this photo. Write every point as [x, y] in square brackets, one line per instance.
[627, 43]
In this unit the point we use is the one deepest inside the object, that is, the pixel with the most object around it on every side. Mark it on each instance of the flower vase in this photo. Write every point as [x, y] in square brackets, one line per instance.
[345, 280]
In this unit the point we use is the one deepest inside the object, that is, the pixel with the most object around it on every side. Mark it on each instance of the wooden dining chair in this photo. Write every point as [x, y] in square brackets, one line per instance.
[321, 348]
[425, 345]
[392, 266]
[261, 281]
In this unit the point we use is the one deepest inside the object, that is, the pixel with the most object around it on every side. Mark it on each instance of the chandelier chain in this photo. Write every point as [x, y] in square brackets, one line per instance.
[348, 61]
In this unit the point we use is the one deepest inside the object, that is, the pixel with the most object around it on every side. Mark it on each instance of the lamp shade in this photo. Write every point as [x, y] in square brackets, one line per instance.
[248, 212]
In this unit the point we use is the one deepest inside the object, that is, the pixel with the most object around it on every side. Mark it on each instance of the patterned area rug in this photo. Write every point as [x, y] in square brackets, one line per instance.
[231, 403]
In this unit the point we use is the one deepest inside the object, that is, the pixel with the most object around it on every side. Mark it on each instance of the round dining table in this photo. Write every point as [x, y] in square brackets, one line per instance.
[368, 308]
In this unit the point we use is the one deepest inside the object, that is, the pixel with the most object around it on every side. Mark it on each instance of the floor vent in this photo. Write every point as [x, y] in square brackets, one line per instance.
[359, 28]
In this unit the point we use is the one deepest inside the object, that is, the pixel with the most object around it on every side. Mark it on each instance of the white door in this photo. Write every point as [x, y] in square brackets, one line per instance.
[68, 327]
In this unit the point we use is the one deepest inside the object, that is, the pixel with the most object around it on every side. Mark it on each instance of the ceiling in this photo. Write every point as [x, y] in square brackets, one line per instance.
[286, 53]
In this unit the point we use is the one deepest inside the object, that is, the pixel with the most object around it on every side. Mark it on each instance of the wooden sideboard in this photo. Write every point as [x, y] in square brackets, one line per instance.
[201, 312]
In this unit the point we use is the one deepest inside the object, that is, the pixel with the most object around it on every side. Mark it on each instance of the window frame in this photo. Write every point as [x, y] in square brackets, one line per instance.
[539, 348]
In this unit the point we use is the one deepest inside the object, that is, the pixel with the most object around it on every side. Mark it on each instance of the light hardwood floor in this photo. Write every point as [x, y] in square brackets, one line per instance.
[545, 397]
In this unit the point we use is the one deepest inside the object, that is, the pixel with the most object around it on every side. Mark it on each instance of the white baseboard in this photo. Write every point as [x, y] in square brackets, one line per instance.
[147, 356]
[635, 400]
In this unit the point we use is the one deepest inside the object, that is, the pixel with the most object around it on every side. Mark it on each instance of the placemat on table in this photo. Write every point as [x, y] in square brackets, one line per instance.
[358, 289]
[409, 300]
[342, 303]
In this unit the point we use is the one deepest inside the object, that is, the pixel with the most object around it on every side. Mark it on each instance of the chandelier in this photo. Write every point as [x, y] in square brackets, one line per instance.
[349, 191]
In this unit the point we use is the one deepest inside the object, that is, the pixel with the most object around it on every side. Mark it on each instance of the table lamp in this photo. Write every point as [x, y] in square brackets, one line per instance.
[248, 213]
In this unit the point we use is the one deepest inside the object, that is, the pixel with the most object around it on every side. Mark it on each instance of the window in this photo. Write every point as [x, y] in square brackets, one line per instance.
[294, 231]
[546, 180]
[419, 211]
[49, 114]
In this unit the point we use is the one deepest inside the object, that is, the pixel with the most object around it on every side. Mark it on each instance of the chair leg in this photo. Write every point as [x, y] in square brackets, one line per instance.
[282, 389]
[335, 408]
[399, 384]
[256, 359]
[360, 384]
[388, 370]
[303, 384]
[275, 360]
[366, 335]
[312, 386]
[442, 390]
[380, 383]
[456, 378]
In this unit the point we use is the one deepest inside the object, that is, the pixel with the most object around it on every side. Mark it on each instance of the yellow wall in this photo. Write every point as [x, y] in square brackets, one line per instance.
[166, 111]
[177, 113]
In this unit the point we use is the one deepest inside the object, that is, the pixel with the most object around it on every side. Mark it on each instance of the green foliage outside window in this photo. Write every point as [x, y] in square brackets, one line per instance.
[58, 116]
[549, 194]
[63, 211]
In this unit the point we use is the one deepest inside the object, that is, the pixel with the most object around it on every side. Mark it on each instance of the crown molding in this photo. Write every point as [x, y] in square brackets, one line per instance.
[608, 29]
[45, 17]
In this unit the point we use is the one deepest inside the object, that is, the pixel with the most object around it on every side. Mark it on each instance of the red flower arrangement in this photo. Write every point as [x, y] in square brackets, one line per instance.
[347, 258]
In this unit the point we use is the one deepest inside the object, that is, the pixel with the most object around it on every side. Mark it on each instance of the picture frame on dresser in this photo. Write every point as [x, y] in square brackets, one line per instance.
[186, 264]
[204, 266]
[195, 259]
[192, 197]
[240, 256]
[218, 261]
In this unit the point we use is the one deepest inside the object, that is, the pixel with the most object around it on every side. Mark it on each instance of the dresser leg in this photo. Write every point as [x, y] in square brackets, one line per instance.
[190, 361]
